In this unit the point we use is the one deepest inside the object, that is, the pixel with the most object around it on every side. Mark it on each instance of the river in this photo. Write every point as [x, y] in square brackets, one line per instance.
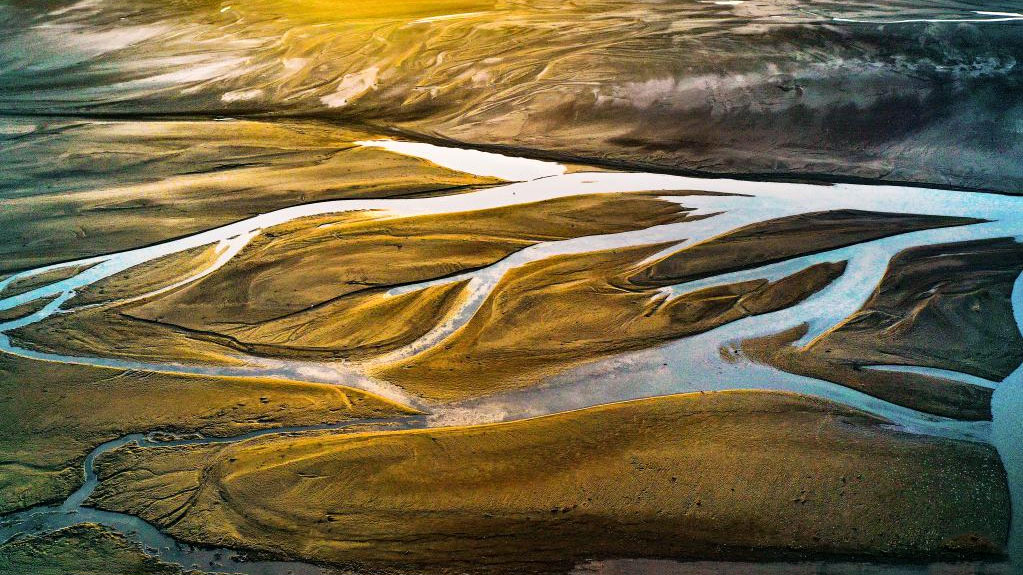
[688, 364]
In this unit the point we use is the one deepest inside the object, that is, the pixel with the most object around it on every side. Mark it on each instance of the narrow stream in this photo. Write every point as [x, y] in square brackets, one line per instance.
[689, 364]
[208, 559]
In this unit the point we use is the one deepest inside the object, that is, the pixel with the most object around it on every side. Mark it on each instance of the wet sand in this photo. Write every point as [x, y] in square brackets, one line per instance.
[902, 91]
[53, 414]
[145, 278]
[547, 316]
[733, 474]
[317, 287]
[27, 284]
[772, 241]
[330, 293]
[24, 310]
[127, 184]
[84, 550]
[945, 306]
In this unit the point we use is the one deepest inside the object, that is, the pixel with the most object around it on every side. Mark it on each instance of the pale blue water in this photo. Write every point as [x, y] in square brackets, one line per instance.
[689, 364]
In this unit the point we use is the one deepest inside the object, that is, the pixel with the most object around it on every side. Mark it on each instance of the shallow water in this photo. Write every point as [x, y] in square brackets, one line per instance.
[208, 559]
[1006, 407]
[789, 86]
[690, 364]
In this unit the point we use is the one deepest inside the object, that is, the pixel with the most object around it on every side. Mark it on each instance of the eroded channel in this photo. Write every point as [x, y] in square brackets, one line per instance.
[702, 362]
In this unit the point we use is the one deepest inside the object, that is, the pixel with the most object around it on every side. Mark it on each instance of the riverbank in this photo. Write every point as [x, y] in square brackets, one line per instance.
[685, 216]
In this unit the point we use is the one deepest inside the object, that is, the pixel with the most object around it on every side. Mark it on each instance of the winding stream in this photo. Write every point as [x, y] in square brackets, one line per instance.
[210, 559]
[689, 364]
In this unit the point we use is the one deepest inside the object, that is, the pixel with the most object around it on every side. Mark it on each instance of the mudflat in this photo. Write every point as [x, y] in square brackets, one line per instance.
[295, 266]
[741, 473]
[831, 92]
[679, 195]
[780, 239]
[86, 549]
[945, 306]
[26, 309]
[27, 284]
[145, 278]
[125, 185]
[547, 316]
[53, 414]
[317, 287]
